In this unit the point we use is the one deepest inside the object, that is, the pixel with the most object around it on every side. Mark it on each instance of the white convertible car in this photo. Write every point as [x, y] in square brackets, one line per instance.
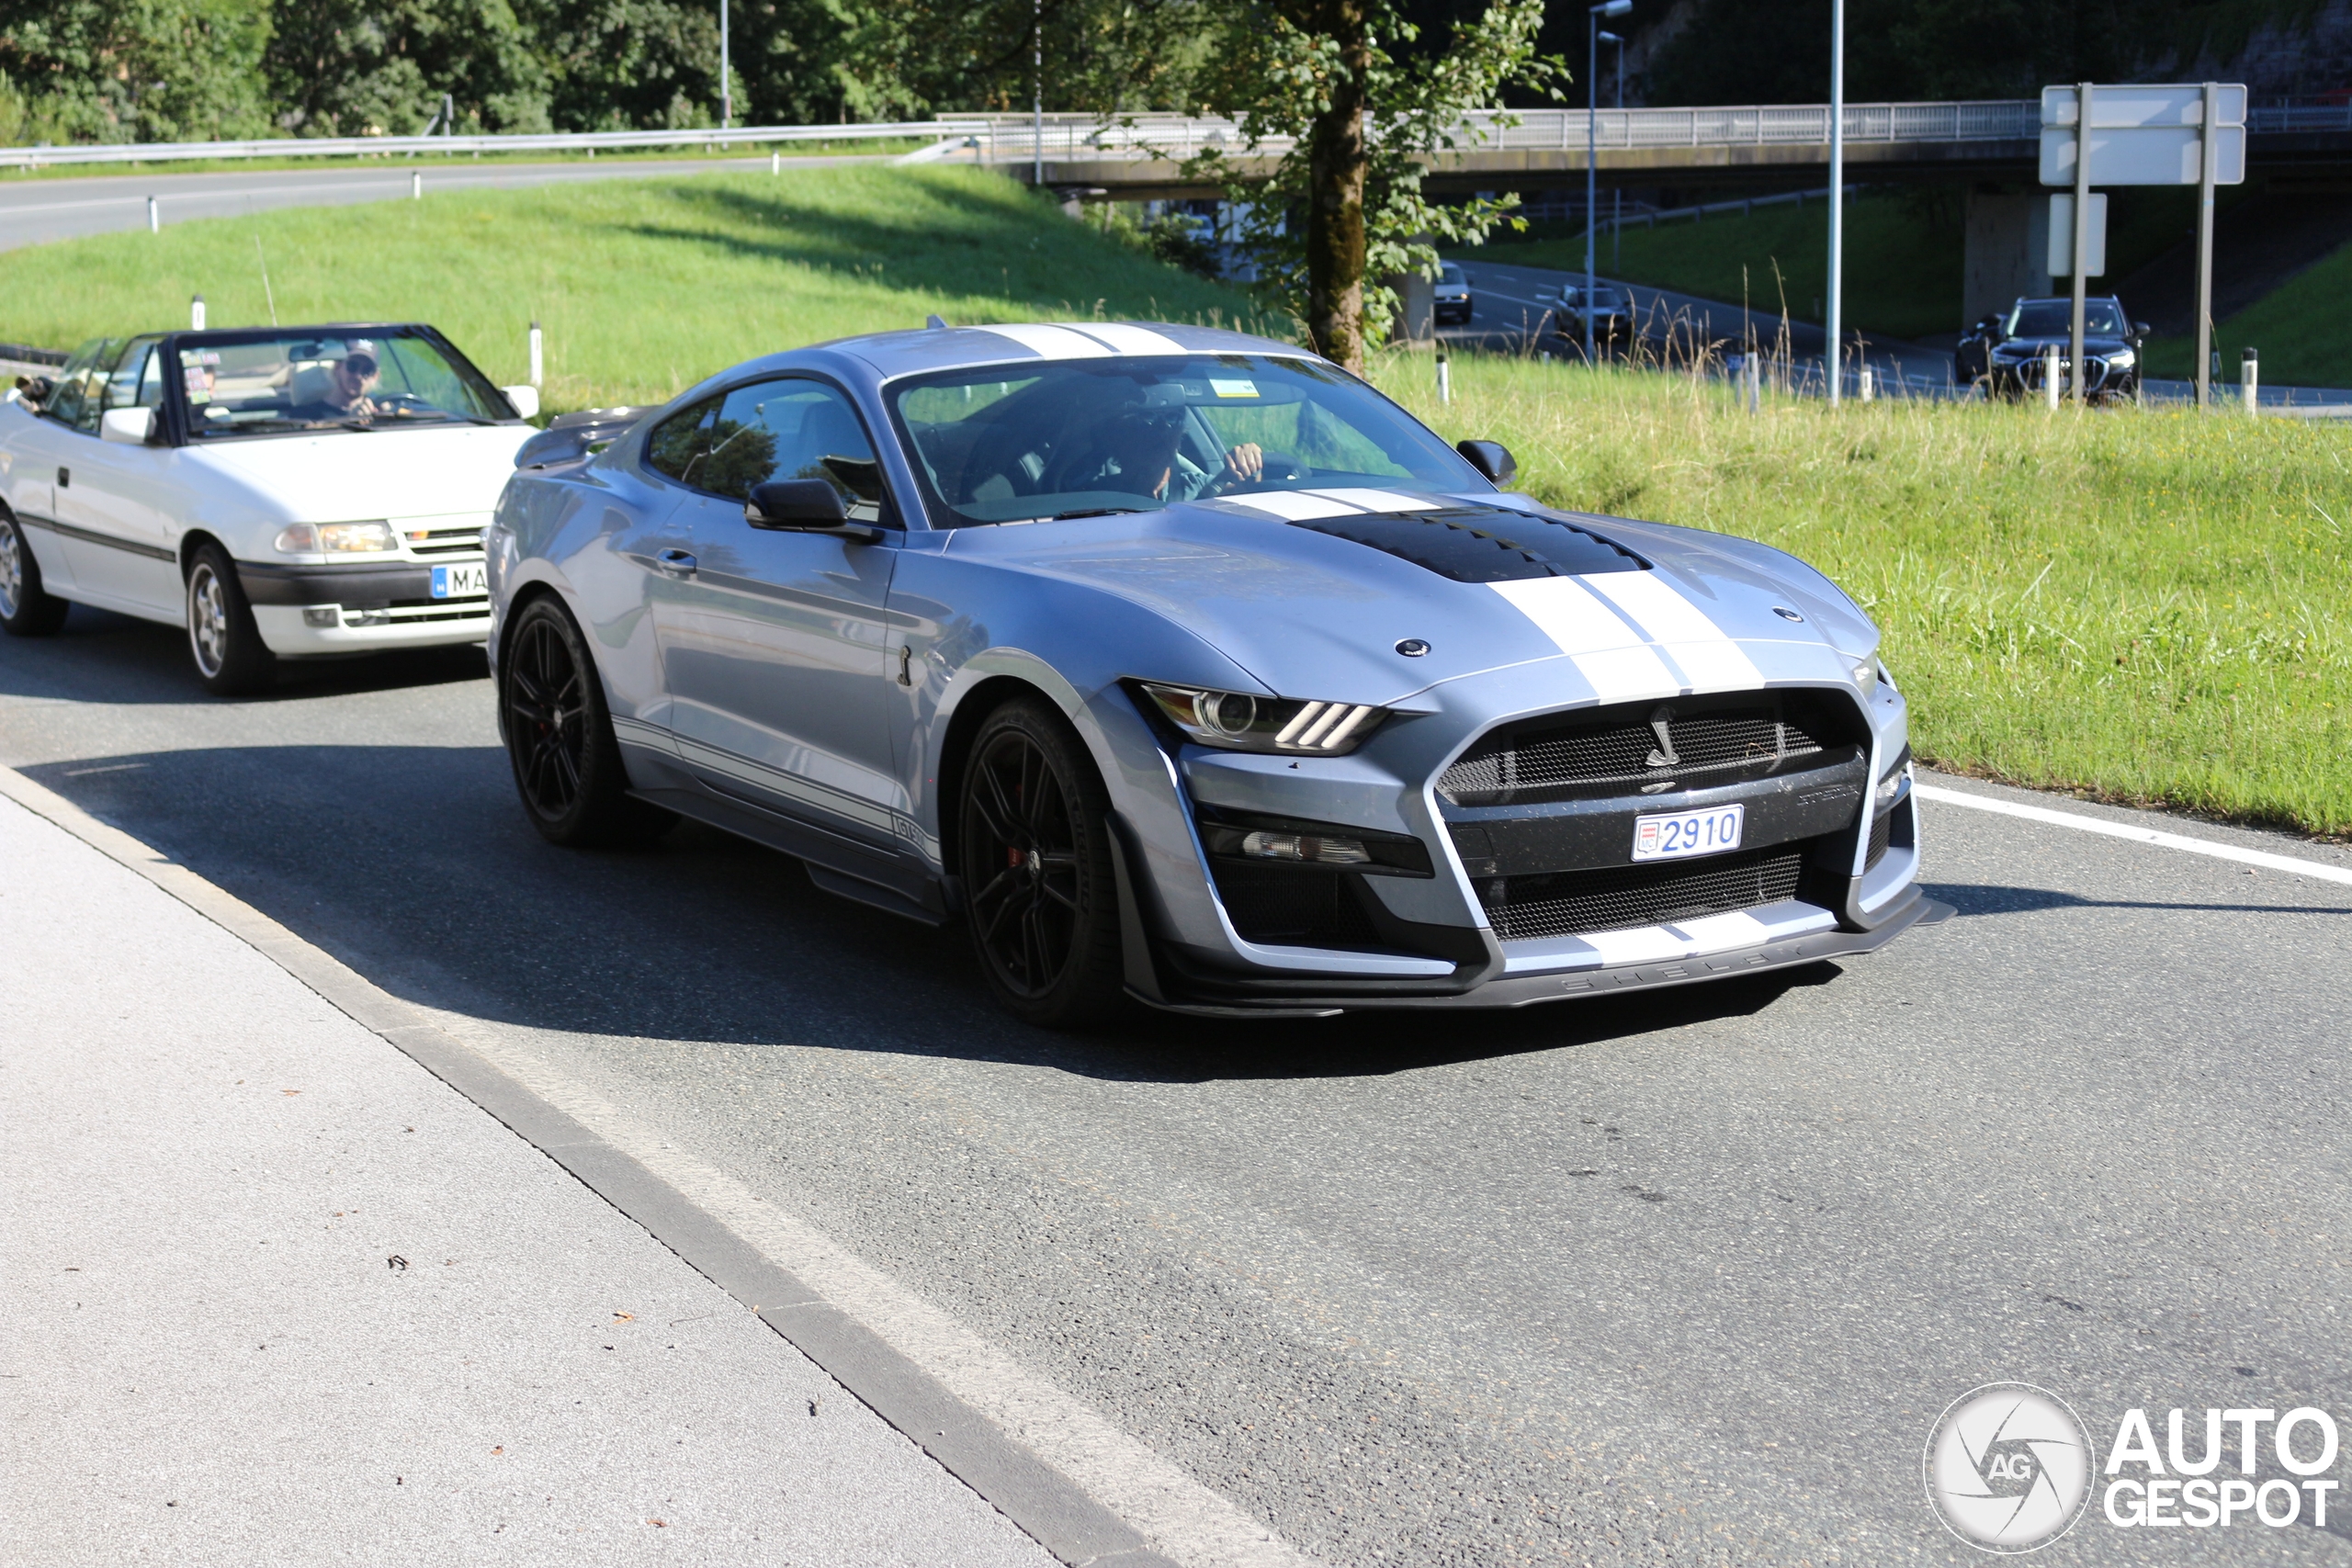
[281, 492]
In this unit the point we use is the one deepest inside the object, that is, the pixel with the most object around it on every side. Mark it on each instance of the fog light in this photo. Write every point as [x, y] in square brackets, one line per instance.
[1888, 785]
[1301, 847]
[322, 615]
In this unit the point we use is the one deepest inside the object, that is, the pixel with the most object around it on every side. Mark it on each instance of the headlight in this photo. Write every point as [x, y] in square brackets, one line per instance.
[2123, 359]
[335, 539]
[1244, 723]
[1866, 676]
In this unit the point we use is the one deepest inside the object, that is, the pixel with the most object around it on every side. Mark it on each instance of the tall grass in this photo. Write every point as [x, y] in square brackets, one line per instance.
[2150, 606]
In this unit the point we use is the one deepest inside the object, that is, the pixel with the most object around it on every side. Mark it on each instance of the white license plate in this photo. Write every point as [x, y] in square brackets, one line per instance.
[461, 582]
[1678, 835]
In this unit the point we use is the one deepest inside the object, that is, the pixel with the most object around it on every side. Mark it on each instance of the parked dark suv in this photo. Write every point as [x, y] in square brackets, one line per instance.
[2007, 352]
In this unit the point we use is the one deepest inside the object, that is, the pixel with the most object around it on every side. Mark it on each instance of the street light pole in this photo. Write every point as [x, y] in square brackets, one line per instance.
[1617, 193]
[1593, 150]
[1037, 105]
[1837, 189]
[726, 95]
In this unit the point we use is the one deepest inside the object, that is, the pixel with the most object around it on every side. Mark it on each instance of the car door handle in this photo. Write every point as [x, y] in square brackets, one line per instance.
[677, 563]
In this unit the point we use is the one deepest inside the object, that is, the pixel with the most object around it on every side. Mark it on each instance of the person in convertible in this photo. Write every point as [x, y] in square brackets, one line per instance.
[341, 394]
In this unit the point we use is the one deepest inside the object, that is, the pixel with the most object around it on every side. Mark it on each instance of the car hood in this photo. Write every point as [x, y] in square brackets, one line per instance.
[1313, 594]
[2093, 343]
[367, 474]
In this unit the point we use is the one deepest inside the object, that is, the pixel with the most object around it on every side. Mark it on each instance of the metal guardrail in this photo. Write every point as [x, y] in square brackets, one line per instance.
[1012, 138]
[411, 146]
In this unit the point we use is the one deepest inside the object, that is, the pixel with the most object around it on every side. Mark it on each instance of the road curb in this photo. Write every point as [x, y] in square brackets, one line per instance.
[1045, 1504]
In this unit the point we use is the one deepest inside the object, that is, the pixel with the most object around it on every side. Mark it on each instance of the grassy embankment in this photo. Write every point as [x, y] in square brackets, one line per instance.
[2302, 328]
[2148, 607]
[2152, 606]
[643, 285]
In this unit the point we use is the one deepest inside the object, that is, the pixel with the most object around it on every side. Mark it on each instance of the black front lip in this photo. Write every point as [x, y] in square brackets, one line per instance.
[369, 586]
[1912, 907]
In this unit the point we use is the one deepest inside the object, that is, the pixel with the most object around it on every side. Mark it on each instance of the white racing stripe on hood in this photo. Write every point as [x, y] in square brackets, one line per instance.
[1607, 652]
[1296, 505]
[1688, 635]
[1378, 499]
[1128, 340]
[1053, 343]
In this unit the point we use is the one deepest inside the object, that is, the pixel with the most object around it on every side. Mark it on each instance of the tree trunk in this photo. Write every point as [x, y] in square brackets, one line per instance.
[1336, 164]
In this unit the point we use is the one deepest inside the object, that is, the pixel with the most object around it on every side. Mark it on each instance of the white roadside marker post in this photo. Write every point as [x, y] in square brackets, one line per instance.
[2249, 379]
[776, 161]
[416, 184]
[154, 217]
[1863, 384]
[195, 314]
[1444, 379]
[535, 358]
[2050, 378]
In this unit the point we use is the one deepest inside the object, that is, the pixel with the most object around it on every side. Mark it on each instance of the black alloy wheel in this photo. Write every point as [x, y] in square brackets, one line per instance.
[1036, 848]
[26, 609]
[568, 767]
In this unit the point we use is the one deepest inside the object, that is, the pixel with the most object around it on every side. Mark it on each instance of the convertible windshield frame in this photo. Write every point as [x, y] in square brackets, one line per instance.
[1057, 440]
[270, 381]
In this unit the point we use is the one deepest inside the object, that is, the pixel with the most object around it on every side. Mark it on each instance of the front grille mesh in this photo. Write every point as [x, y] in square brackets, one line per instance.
[1531, 766]
[1569, 902]
[1882, 833]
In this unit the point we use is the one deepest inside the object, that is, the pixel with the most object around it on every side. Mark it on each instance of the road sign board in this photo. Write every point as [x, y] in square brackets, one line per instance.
[2061, 237]
[2145, 136]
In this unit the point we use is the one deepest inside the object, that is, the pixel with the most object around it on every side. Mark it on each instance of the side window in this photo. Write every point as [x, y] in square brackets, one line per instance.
[793, 429]
[678, 443]
[136, 382]
[72, 394]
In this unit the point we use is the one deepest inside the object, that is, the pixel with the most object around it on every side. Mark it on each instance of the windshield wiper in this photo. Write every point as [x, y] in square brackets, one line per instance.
[1093, 512]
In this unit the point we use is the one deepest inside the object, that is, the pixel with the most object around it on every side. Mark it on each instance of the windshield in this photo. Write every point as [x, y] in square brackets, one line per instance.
[1025, 443]
[390, 376]
[1449, 273]
[2055, 317]
[1604, 299]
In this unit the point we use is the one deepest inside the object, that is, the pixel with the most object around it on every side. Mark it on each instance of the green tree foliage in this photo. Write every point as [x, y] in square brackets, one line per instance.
[380, 67]
[133, 70]
[1361, 101]
[1102, 56]
[1733, 51]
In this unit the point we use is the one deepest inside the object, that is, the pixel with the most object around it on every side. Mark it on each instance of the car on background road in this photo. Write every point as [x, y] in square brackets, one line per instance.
[1182, 665]
[1611, 312]
[1449, 299]
[279, 492]
[2007, 353]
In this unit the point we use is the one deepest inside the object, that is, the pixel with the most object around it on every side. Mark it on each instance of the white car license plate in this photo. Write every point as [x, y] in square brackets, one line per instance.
[1678, 835]
[461, 582]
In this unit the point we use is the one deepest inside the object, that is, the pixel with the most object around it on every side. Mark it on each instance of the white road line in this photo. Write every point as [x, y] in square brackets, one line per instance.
[2312, 869]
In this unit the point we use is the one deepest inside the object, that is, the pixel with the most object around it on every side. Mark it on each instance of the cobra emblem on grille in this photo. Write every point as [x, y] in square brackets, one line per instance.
[1660, 724]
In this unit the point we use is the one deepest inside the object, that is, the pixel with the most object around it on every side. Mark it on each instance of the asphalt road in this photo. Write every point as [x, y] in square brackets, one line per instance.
[1682, 1279]
[34, 213]
[1508, 305]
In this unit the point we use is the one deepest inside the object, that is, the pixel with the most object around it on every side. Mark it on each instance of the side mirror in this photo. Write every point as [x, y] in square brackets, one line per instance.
[803, 506]
[2139, 329]
[1492, 459]
[524, 399]
[129, 426]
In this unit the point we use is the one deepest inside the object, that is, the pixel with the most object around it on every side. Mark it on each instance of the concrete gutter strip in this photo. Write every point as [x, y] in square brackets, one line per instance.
[1046, 1504]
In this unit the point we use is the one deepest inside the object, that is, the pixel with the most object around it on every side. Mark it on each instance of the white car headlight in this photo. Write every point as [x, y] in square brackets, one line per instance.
[2123, 359]
[1866, 676]
[1240, 722]
[335, 539]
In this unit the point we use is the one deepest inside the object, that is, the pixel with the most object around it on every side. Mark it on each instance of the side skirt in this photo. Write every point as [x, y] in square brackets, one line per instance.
[838, 864]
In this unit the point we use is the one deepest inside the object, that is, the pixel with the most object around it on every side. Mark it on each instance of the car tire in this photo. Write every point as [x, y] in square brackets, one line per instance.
[1033, 849]
[26, 609]
[568, 768]
[231, 658]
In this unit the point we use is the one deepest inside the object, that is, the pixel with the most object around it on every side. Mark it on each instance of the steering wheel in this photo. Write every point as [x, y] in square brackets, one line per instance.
[1280, 467]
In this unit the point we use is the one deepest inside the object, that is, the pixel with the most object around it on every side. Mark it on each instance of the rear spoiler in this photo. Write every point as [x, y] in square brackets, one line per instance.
[575, 437]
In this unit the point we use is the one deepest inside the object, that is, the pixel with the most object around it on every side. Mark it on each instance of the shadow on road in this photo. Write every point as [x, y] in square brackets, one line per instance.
[101, 656]
[1978, 898]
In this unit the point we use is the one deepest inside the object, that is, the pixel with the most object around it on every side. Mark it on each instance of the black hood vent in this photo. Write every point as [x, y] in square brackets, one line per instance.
[1483, 543]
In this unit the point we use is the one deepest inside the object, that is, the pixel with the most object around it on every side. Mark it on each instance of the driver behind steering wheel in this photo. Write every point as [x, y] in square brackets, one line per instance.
[1143, 456]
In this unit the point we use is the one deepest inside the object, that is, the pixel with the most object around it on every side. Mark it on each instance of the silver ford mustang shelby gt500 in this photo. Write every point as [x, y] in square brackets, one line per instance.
[1182, 665]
